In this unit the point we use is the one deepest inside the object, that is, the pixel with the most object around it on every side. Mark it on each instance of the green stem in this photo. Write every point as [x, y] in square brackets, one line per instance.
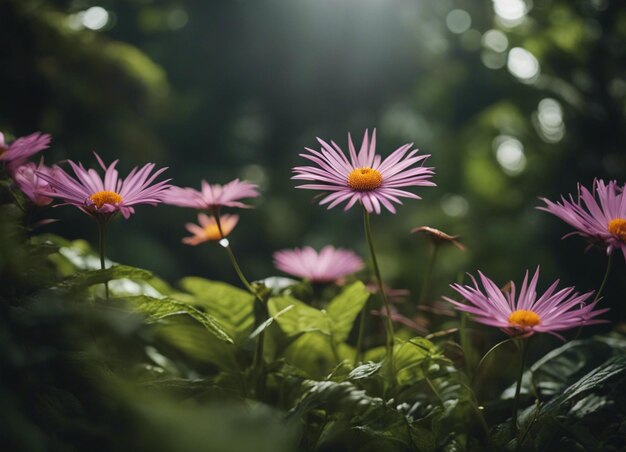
[434, 390]
[482, 360]
[606, 277]
[260, 314]
[429, 274]
[358, 356]
[101, 228]
[390, 339]
[524, 348]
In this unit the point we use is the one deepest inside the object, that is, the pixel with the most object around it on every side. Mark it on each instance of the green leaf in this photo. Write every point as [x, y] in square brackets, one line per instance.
[161, 308]
[233, 307]
[413, 358]
[87, 278]
[312, 353]
[300, 319]
[194, 341]
[365, 370]
[344, 309]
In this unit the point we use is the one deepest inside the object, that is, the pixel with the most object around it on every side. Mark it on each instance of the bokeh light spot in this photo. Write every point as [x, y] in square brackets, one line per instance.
[523, 65]
[458, 21]
[510, 154]
[495, 40]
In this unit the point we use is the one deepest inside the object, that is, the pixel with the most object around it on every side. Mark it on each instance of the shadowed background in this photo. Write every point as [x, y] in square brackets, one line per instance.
[513, 99]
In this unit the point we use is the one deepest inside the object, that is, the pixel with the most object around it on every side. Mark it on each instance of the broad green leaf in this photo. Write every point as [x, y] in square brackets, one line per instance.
[301, 319]
[365, 370]
[194, 341]
[312, 353]
[412, 359]
[345, 308]
[161, 308]
[83, 279]
[233, 307]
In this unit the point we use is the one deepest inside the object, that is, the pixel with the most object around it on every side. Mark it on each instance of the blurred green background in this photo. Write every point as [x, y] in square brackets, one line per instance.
[514, 99]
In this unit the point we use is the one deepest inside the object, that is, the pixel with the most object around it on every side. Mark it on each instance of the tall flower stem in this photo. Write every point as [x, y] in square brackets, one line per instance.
[101, 230]
[389, 340]
[523, 345]
[358, 355]
[261, 313]
[606, 277]
[429, 273]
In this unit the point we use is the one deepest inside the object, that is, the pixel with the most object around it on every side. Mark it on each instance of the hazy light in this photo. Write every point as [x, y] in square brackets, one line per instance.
[458, 21]
[94, 18]
[224, 243]
[493, 60]
[454, 205]
[495, 40]
[549, 120]
[510, 12]
[510, 154]
[177, 19]
[523, 64]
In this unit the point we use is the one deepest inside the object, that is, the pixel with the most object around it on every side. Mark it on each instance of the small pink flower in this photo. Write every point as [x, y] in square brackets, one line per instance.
[100, 197]
[326, 266]
[208, 230]
[601, 220]
[21, 149]
[365, 178]
[27, 179]
[212, 197]
[524, 314]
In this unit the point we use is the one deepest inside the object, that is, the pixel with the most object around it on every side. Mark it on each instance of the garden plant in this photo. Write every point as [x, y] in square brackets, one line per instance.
[324, 354]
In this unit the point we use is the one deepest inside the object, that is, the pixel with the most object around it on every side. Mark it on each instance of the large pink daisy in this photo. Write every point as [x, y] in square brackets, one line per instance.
[365, 177]
[601, 220]
[18, 151]
[327, 266]
[212, 196]
[524, 314]
[103, 197]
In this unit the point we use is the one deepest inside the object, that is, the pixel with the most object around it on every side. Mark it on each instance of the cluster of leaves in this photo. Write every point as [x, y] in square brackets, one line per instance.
[158, 367]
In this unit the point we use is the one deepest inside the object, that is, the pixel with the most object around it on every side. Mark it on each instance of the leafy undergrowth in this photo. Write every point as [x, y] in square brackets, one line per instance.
[159, 367]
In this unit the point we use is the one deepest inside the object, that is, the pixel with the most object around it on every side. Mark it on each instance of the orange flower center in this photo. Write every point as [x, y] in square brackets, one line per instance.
[365, 179]
[617, 227]
[524, 318]
[212, 232]
[101, 198]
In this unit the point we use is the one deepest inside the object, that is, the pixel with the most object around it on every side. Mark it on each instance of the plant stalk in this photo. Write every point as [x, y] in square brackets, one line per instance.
[429, 274]
[390, 339]
[261, 314]
[606, 277]
[101, 230]
[358, 356]
[524, 349]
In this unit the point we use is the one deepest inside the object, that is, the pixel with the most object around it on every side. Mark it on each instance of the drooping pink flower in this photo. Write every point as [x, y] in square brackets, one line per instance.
[365, 177]
[18, 151]
[326, 266]
[599, 215]
[212, 196]
[208, 230]
[103, 197]
[524, 314]
[27, 179]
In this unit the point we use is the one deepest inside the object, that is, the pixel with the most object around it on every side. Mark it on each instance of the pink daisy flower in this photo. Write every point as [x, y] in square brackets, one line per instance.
[212, 197]
[601, 220]
[102, 198]
[327, 266]
[19, 150]
[208, 231]
[27, 179]
[524, 314]
[365, 177]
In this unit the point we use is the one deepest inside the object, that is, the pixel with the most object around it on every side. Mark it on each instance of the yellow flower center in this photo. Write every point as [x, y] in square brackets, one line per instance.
[365, 179]
[212, 232]
[101, 198]
[524, 318]
[617, 227]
